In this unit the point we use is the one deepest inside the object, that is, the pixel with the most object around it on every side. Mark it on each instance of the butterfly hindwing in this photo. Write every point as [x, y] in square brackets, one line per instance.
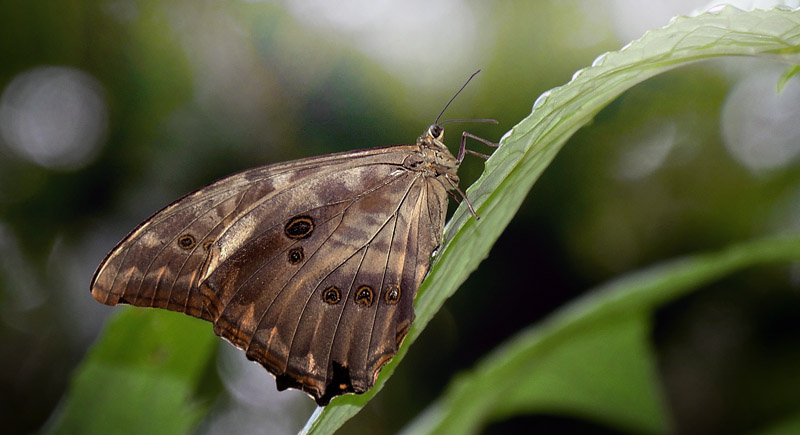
[324, 322]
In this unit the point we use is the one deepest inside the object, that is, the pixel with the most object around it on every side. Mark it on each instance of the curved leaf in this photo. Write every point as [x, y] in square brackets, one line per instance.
[529, 147]
[592, 357]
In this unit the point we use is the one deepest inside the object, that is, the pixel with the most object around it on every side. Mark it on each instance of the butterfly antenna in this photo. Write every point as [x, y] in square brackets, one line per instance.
[454, 96]
[486, 120]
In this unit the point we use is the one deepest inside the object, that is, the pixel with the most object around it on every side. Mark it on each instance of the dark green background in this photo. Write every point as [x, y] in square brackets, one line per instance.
[198, 90]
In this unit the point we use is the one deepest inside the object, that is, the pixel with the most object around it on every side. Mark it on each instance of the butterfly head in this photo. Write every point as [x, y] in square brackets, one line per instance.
[433, 139]
[435, 132]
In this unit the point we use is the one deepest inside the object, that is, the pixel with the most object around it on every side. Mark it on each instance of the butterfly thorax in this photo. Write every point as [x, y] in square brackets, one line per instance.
[434, 159]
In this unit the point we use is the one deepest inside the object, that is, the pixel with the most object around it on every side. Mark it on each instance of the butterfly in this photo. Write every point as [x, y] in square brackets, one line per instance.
[311, 266]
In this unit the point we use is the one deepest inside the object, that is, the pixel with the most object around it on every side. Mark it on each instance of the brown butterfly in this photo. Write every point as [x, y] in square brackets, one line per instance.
[309, 266]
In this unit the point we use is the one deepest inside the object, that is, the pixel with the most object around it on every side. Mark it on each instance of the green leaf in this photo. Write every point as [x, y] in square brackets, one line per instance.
[530, 146]
[142, 376]
[591, 358]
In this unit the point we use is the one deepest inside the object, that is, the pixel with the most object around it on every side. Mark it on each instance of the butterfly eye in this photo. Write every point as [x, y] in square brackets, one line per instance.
[296, 255]
[186, 241]
[436, 131]
[332, 295]
[207, 244]
[299, 227]
[392, 295]
[364, 296]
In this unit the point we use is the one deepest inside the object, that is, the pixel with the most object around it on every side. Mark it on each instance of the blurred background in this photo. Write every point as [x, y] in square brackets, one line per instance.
[109, 110]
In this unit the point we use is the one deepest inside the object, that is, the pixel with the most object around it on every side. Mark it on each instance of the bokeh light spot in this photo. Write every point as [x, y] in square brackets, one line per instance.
[759, 124]
[55, 117]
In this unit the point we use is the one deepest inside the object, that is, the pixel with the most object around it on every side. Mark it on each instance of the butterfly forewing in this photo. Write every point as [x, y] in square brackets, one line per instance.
[163, 260]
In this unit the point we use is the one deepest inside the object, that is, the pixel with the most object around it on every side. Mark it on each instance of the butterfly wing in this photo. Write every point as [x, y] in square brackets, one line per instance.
[310, 266]
[327, 321]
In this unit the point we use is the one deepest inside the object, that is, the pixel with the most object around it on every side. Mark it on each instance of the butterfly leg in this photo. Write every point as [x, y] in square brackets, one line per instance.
[462, 150]
[464, 197]
[454, 196]
[469, 204]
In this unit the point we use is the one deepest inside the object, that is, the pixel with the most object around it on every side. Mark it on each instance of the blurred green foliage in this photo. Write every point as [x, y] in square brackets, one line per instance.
[197, 90]
[144, 354]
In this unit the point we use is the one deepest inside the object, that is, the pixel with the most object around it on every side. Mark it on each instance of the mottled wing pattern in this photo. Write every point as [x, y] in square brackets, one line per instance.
[326, 307]
[310, 266]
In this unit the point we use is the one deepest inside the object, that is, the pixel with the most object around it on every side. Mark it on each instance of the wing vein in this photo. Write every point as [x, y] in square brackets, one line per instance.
[339, 320]
[164, 246]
